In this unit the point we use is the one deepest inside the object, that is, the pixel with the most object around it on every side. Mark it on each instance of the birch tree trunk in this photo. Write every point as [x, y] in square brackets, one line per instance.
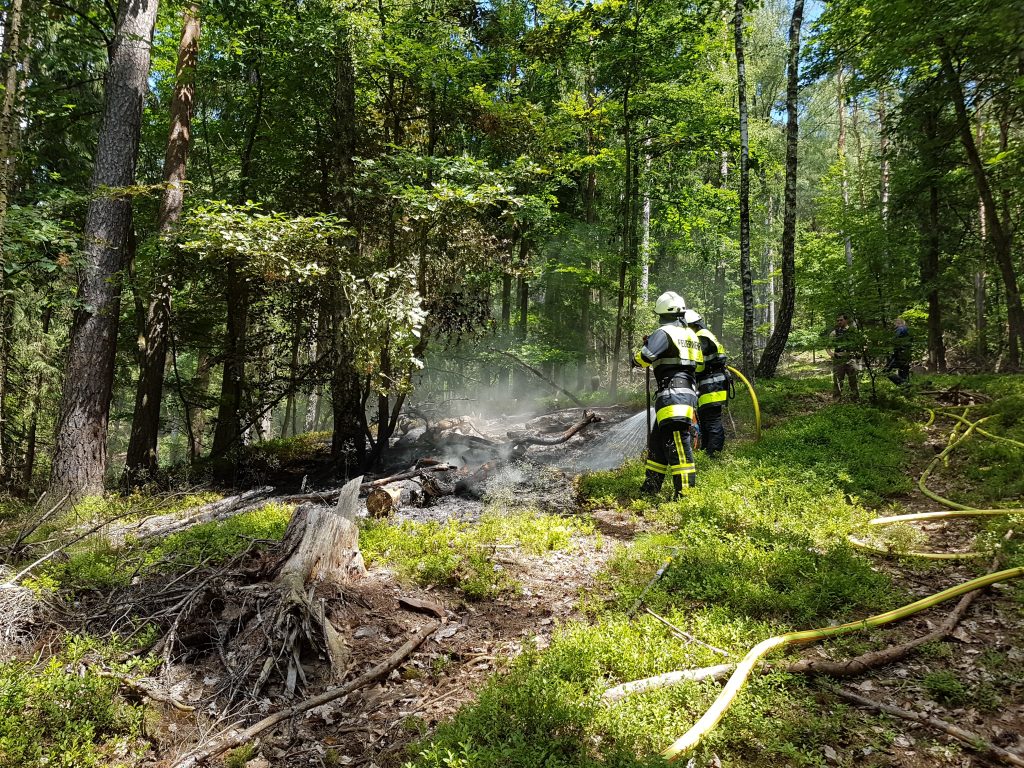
[80, 450]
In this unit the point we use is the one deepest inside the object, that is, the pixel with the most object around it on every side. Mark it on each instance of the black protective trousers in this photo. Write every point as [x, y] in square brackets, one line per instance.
[670, 452]
[712, 430]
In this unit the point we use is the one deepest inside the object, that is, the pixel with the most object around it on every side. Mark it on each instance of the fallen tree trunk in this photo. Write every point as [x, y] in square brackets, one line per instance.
[165, 525]
[232, 739]
[419, 492]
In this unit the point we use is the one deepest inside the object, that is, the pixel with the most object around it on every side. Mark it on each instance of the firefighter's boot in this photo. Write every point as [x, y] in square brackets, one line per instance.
[652, 484]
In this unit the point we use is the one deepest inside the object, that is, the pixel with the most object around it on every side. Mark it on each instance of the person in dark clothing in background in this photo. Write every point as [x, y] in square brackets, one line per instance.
[845, 358]
[898, 366]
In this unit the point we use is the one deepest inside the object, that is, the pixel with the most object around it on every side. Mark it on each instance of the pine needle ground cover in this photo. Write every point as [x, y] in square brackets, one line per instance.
[760, 548]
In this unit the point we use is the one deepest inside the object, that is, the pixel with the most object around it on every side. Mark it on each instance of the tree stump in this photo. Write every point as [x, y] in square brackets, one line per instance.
[322, 547]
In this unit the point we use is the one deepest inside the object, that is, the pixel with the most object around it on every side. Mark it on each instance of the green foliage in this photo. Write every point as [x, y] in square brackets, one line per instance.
[758, 548]
[62, 712]
[237, 758]
[461, 555]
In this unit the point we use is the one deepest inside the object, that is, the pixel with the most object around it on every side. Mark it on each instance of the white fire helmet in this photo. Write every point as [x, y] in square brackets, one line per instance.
[692, 316]
[669, 303]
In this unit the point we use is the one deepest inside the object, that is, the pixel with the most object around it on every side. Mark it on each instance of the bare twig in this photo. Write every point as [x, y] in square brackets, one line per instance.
[969, 738]
[28, 529]
[232, 739]
[683, 635]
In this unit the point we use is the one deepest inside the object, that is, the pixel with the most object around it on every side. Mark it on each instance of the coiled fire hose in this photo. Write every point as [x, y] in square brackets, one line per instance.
[739, 677]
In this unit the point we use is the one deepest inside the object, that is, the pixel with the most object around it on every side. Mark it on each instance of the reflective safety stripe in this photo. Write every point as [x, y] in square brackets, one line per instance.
[654, 466]
[668, 361]
[683, 469]
[712, 397]
[675, 412]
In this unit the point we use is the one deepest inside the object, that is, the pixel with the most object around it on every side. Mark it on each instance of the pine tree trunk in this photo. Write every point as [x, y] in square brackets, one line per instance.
[999, 235]
[746, 281]
[227, 435]
[80, 452]
[348, 441]
[777, 343]
[141, 461]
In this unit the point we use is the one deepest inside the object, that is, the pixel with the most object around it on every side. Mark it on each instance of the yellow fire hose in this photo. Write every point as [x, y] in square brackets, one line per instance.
[753, 398]
[739, 677]
[711, 718]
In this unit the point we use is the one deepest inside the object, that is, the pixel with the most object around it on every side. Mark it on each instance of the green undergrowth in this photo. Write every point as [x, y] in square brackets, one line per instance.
[983, 471]
[97, 565]
[62, 713]
[460, 554]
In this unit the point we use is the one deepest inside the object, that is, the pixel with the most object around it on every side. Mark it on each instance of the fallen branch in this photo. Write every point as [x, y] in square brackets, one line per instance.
[13, 582]
[29, 528]
[541, 376]
[969, 738]
[519, 439]
[148, 688]
[873, 659]
[165, 525]
[234, 739]
[332, 496]
[717, 672]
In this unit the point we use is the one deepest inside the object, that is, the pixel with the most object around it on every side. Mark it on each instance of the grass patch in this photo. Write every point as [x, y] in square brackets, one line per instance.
[61, 712]
[98, 565]
[460, 555]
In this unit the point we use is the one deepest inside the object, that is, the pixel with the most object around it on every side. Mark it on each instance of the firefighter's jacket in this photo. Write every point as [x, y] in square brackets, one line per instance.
[713, 381]
[674, 354]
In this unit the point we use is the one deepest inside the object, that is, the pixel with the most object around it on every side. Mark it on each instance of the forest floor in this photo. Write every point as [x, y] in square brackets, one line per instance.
[536, 582]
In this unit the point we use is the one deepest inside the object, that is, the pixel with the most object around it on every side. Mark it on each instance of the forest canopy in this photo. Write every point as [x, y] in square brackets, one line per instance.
[283, 217]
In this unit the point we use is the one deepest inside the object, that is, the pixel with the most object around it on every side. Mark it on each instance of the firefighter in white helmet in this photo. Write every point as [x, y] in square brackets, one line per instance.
[673, 352]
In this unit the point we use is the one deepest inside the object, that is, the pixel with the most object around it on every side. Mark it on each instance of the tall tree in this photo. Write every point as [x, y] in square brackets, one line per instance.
[10, 60]
[746, 281]
[80, 446]
[777, 342]
[141, 460]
